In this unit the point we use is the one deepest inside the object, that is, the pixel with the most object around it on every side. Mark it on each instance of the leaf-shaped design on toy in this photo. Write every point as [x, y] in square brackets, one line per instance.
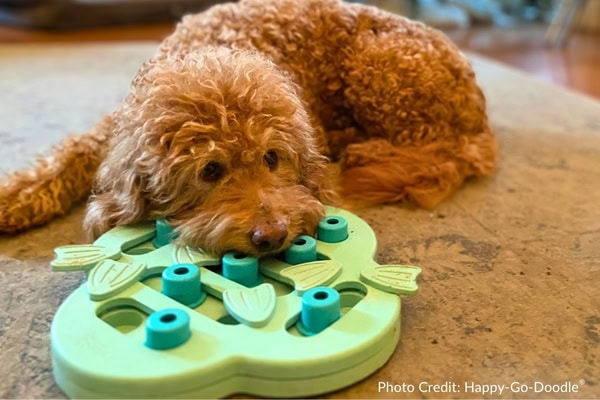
[111, 277]
[81, 256]
[253, 307]
[398, 279]
[187, 255]
[308, 275]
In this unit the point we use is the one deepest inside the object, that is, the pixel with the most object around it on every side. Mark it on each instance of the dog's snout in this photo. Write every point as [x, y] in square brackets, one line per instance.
[269, 236]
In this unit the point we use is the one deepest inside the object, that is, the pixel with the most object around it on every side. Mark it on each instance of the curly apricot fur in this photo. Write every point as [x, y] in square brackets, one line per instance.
[392, 100]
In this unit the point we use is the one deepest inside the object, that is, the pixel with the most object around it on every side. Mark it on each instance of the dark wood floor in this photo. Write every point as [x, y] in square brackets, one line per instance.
[576, 66]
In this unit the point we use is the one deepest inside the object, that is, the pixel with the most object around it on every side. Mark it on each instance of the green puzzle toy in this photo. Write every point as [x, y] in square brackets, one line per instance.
[156, 319]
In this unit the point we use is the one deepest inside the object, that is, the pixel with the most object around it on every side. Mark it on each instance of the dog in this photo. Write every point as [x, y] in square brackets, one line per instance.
[228, 130]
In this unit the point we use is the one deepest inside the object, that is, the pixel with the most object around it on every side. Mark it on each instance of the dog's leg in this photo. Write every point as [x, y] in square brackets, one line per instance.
[375, 172]
[34, 197]
[424, 115]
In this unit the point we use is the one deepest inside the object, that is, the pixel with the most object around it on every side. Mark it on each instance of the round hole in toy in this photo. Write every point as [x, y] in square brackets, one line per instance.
[333, 221]
[320, 295]
[351, 293]
[239, 256]
[168, 318]
[300, 242]
[123, 317]
[181, 271]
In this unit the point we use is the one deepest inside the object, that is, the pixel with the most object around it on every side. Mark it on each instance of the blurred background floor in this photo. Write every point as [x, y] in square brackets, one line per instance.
[575, 65]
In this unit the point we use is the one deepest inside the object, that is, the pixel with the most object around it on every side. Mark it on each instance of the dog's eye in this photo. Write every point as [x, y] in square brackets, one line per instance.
[213, 171]
[271, 159]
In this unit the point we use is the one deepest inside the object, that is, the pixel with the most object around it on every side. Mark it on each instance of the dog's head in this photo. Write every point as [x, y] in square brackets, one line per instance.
[219, 144]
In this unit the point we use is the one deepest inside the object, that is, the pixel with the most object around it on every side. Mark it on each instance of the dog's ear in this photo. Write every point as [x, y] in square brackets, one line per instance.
[118, 197]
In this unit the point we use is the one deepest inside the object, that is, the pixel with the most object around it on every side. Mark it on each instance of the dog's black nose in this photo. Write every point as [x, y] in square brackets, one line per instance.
[269, 236]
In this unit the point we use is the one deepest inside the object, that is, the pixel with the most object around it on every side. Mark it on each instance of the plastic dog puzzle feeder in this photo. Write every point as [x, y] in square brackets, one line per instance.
[155, 319]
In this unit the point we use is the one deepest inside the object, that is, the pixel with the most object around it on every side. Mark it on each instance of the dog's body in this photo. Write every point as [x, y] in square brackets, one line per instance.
[226, 130]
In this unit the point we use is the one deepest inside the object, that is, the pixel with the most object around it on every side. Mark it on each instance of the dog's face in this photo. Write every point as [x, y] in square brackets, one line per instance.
[245, 194]
[219, 145]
